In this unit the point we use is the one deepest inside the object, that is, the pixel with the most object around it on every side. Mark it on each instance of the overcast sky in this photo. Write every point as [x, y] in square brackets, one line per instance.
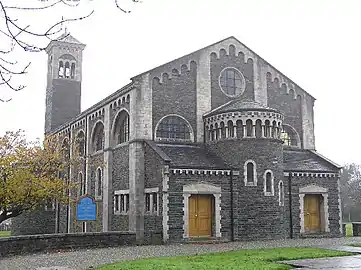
[315, 43]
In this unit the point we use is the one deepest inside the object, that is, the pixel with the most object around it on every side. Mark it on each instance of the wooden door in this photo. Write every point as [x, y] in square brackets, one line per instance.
[200, 215]
[312, 213]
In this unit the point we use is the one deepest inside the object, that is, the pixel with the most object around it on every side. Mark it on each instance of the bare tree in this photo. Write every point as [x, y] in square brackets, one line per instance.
[17, 33]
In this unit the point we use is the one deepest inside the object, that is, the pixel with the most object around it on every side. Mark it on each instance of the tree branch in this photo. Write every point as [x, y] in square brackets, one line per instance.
[18, 33]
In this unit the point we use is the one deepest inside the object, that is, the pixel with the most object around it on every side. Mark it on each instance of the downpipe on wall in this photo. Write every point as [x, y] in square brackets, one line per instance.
[290, 202]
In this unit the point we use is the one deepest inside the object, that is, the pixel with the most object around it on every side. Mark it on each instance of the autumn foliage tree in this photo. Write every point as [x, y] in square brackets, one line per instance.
[31, 173]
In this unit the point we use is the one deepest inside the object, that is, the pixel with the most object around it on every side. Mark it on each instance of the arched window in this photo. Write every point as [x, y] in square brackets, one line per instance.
[80, 141]
[268, 183]
[216, 129]
[67, 70]
[267, 128]
[174, 128]
[239, 129]
[258, 128]
[121, 129]
[223, 130]
[289, 136]
[65, 148]
[249, 128]
[274, 129]
[61, 69]
[98, 137]
[281, 194]
[82, 184]
[99, 183]
[250, 173]
[230, 129]
[72, 71]
[211, 133]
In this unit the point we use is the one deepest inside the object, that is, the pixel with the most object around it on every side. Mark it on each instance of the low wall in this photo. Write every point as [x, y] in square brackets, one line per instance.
[24, 244]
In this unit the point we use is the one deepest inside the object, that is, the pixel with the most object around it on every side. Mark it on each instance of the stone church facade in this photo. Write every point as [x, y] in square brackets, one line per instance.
[216, 144]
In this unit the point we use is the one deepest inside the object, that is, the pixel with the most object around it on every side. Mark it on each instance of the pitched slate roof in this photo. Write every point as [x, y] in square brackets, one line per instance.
[191, 156]
[240, 105]
[307, 160]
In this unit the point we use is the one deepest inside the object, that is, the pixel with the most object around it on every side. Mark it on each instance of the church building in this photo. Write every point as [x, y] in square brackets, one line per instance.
[216, 144]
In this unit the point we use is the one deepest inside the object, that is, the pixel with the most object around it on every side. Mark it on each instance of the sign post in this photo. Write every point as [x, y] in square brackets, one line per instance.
[86, 209]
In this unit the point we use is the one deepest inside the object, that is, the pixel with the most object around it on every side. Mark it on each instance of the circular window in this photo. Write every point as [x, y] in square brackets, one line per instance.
[232, 82]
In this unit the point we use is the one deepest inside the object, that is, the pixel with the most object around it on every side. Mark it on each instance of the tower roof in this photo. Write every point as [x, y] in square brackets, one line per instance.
[68, 39]
[240, 104]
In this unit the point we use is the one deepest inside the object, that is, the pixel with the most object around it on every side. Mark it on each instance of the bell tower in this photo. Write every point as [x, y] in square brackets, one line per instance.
[63, 91]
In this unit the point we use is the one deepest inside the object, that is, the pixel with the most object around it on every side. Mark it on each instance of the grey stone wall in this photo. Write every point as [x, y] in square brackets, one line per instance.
[120, 174]
[35, 222]
[153, 178]
[235, 61]
[176, 213]
[287, 103]
[175, 93]
[45, 243]
[259, 216]
[63, 102]
[333, 205]
[120, 181]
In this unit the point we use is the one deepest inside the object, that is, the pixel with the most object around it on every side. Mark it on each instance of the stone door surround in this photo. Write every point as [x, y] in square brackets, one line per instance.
[314, 189]
[202, 188]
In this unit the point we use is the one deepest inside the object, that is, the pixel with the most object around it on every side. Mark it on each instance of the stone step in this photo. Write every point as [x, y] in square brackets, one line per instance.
[201, 240]
[315, 235]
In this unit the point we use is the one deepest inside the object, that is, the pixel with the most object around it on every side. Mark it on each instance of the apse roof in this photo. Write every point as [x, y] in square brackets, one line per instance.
[240, 105]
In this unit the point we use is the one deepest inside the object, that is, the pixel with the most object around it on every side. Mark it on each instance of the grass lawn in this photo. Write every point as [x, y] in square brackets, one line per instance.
[349, 229]
[5, 233]
[241, 259]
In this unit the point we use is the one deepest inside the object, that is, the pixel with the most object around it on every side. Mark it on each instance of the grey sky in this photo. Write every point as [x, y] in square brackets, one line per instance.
[315, 43]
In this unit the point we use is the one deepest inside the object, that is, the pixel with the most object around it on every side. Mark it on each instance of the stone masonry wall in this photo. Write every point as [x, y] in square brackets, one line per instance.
[333, 204]
[40, 243]
[175, 93]
[229, 59]
[176, 202]
[120, 178]
[259, 216]
[35, 222]
[153, 178]
[287, 103]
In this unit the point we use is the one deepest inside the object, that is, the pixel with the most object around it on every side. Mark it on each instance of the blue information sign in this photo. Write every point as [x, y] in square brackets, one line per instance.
[86, 209]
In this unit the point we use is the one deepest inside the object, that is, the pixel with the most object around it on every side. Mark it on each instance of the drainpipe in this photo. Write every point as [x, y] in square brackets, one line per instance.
[290, 202]
[232, 214]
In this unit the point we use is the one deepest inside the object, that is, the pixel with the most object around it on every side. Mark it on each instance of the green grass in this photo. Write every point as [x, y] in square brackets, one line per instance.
[241, 259]
[5, 233]
[348, 229]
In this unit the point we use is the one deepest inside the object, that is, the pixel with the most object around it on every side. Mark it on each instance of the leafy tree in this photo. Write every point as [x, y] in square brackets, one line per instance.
[31, 173]
[350, 184]
[17, 33]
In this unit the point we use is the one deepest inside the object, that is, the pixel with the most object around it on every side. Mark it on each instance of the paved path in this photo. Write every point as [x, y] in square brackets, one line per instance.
[83, 259]
[340, 263]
